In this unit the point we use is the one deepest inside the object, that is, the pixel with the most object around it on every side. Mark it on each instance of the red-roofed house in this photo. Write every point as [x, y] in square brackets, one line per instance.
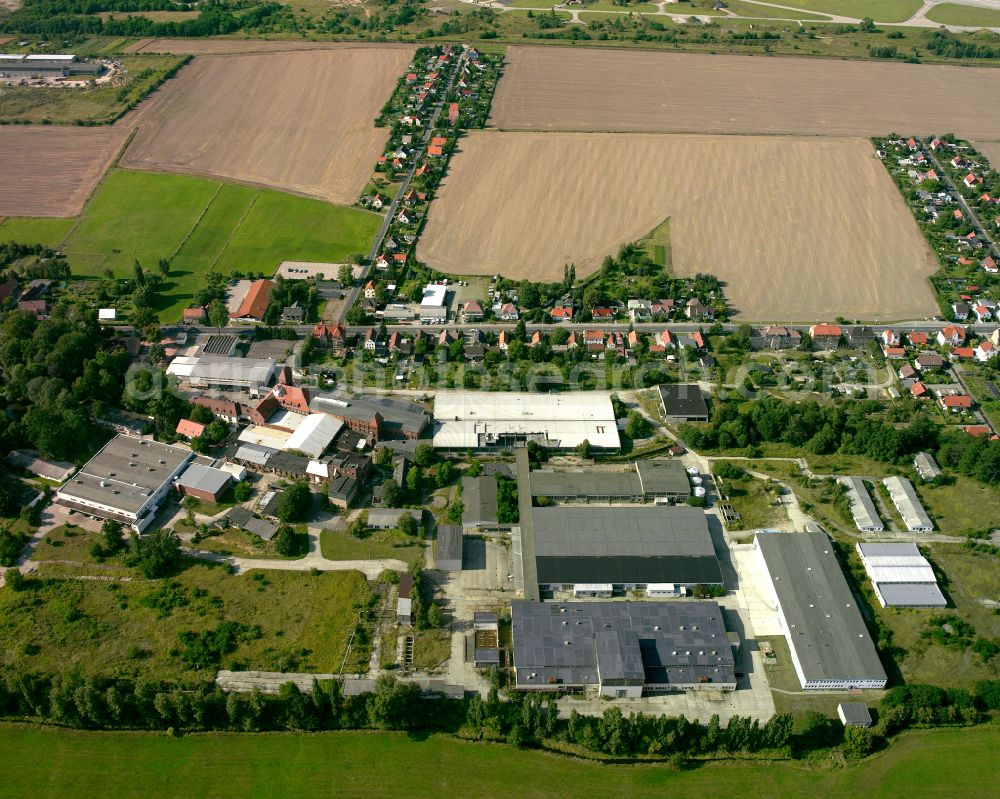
[890, 338]
[472, 311]
[985, 351]
[894, 352]
[509, 313]
[971, 180]
[39, 308]
[189, 429]
[193, 315]
[977, 430]
[434, 150]
[593, 340]
[963, 353]
[956, 402]
[453, 113]
[989, 264]
[255, 304]
[602, 314]
[917, 339]
[951, 335]
[562, 313]
[918, 389]
[826, 336]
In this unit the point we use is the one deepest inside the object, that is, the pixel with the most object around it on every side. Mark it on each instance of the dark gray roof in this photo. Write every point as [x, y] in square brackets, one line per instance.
[491, 655]
[242, 518]
[449, 542]
[485, 617]
[397, 415]
[600, 544]
[663, 476]
[824, 625]
[343, 487]
[855, 713]
[581, 643]
[623, 485]
[479, 500]
[683, 399]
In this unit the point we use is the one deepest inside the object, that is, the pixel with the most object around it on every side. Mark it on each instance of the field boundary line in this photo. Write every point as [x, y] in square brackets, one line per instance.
[236, 227]
[197, 222]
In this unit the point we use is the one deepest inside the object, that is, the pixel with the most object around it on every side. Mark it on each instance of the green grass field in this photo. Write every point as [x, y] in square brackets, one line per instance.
[99, 104]
[880, 10]
[199, 225]
[955, 14]
[769, 12]
[337, 545]
[66, 764]
[106, 626]
[657, 245]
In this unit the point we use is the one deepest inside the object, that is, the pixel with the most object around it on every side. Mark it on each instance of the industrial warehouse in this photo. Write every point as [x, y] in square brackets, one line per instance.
[646, 480]
[126, 481]
[830, 645]
[624, 649]
[19, 65]
[502, 420]
[901, 576]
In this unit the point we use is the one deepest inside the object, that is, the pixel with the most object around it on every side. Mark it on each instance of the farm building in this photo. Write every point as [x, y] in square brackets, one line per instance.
[29, 460]
[448, 554]
[19, 65]
[203, 482]
[904, 497]
[126, 481]
[501, 420]
[255, 302]
[901, 576]
[830, 645]
[243, 519]
[863, 510]
[624, 649]
[683, 402]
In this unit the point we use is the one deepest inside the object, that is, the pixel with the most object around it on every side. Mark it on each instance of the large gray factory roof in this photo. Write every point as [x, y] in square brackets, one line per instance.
[581, 643]
[599, 544]
[126, 473]
[824, 625]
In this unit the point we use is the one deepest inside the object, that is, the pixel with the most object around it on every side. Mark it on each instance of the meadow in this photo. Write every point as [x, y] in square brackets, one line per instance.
[117, 623]
[200, 226]
[65, 764]
[956, 14]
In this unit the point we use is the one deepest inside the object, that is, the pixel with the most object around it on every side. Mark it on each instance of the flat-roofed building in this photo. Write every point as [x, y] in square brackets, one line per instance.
[377, 418]
[218, 371]
[904, 497]
[29, 460]
[646, 480]
[624, 649]
[503, 420]
[126, 481]
[683, 402]
[854, 714]
[628, 548]
[901, 576]
[863, 510]
[926, 466]
[830, 645]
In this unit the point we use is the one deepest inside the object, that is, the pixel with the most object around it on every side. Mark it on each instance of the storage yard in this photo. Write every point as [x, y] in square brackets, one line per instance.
[614, 90]
[745, 209]
[228, 117]
[51, 171]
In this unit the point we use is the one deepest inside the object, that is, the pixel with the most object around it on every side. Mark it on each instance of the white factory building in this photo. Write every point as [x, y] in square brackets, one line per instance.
[502, 420]
[901, 576]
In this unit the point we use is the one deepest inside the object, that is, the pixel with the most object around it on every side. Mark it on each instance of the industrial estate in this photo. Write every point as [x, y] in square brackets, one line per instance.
[405, 371]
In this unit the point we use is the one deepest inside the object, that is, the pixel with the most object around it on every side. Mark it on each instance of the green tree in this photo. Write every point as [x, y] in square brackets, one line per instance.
[345, 275]
[408, 524]
[637, 426]
[424, 455]
[114, 538]
[414, 481]
[286, 542]
[242, 491]
[859, 741]
[583, 449]
[156, 554]
[295, 502]
[218, 314]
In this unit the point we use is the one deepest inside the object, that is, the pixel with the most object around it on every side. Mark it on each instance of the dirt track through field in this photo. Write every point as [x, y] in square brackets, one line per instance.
[801, 229]
[211, 46]
[581, 89]
[51, 171]
[297, 121]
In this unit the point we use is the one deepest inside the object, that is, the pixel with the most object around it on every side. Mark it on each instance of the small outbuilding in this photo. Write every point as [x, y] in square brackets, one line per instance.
[854, 714]
[448, 554]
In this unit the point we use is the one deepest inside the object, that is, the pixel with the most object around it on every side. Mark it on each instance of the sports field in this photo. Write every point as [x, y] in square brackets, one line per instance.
[200, 226]
[297, 121]
[51, 171]
[591, 89]
[64, 764]
[799, 229]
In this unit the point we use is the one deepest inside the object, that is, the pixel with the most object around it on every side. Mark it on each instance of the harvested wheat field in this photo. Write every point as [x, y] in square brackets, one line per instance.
[300, 121]
[991, 149]
[51, 171]
[800, 229]
[212, 46]
[577, 89]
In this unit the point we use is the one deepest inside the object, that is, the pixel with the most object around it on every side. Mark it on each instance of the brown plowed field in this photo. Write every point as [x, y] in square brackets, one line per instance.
[51, 171]
[210, 46]
[298, 121]
[580, 89]
[991, 149]
[800, 229]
